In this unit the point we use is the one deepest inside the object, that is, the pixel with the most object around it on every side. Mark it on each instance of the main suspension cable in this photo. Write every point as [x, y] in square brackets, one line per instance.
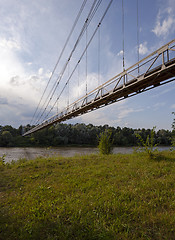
[138, 42]
[87, 22]
[67, 40]
[68, 85]
[78, 79]
[123, 33]
[101, 20]
[99, 48]
[86, 59]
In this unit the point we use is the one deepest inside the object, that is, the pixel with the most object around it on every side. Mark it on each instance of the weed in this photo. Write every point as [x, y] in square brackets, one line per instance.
[148, 146]
[2, 161]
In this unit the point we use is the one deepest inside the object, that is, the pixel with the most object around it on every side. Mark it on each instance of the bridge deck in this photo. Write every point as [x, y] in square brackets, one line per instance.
[123, 85]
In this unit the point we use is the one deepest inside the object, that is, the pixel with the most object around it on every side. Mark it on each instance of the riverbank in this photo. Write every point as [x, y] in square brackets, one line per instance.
[14, 154]
[89, 197]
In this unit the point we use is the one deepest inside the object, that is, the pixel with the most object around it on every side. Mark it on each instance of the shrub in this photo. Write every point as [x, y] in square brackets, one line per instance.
[148, 145]
[105, 142]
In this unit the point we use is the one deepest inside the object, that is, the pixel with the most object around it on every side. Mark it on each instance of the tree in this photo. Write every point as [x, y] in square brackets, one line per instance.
[163, 137]
[7, 139]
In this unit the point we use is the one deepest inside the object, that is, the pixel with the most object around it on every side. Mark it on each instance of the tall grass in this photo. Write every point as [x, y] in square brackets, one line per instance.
[89, 197]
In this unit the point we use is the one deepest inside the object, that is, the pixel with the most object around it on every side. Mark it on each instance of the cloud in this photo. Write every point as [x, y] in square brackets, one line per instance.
[22, 82]
[165, 21]
[143, 48]
[20, 88]
[124, 111]
[3, 101]
[9, 44]
[93, 80]
[9, 62]
[15, 81]
[120, 53]
[40, 71]
[161, 29]
[32, 36]
[158, 105]
[173, 106]
[14, 111]
[113, 115]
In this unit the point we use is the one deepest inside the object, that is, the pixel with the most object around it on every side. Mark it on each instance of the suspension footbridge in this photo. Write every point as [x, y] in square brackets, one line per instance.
[157, 69]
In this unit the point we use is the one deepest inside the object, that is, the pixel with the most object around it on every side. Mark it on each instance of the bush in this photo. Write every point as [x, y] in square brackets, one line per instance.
[148, 145]
[105, 142]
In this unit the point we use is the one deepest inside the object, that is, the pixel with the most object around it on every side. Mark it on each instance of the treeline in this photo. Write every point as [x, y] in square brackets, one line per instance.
[78, 134]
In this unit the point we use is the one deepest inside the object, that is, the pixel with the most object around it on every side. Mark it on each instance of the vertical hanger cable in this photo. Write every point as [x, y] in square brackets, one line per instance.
[68, 85]
[138, 43]
[78, 80]
[99, 48]
[123, 35]
[86, 57]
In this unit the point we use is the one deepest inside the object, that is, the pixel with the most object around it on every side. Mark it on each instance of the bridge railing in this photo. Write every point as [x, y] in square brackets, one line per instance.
[154, 61]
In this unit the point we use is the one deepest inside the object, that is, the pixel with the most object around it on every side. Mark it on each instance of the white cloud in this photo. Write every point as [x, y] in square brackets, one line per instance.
[143, 48]
[125, 111]
[9, 44]
[9, 62]
[92, 82]
[40, 71]
[120, 53]
[19, 87]
[165, 21]
[113, 115]
[31, 38]
[163, 28]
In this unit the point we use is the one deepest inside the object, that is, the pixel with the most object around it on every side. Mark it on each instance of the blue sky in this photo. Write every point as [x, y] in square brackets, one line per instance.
[33, 33]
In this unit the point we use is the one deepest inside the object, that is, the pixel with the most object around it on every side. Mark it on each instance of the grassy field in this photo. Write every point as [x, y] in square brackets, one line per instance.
[89, 197]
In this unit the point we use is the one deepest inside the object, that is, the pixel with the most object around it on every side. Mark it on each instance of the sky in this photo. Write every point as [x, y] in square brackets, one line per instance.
[33, 34]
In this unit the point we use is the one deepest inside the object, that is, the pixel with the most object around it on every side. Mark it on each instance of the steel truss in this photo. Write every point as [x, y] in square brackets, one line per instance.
[156, 69]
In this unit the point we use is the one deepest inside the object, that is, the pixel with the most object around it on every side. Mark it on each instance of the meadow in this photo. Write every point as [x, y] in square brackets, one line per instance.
[129, 196]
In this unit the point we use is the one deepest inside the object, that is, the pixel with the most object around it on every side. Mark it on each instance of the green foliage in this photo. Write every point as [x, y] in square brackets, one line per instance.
[7, 138]
[89, 197]
[148, 145]
[78, 134]
[2, 159]
[105, 142]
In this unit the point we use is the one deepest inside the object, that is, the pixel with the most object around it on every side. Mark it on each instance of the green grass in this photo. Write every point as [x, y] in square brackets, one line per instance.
[89, 197]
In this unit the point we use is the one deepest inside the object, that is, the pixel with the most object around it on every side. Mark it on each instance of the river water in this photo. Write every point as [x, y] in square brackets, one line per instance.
[31, 153]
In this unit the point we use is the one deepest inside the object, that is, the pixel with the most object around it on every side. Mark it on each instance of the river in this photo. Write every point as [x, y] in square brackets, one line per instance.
[31, 153]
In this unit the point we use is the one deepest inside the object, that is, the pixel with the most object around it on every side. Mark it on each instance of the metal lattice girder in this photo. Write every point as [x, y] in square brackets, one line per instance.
[154, 70]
